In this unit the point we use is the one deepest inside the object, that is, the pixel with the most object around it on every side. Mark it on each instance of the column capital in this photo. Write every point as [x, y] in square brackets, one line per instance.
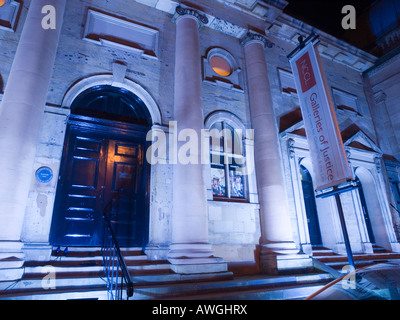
[378, 164]
[290, 148]
[254, 36]
[182, 11]
[379, 97]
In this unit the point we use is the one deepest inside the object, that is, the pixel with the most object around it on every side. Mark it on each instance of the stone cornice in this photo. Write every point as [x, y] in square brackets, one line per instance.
[279, 25]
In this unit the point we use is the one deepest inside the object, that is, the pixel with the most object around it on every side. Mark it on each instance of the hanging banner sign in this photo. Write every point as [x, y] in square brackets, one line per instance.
[328, 155]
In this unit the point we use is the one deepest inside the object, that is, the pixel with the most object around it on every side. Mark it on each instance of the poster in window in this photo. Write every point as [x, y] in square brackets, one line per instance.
[236, 184]
[218, 182]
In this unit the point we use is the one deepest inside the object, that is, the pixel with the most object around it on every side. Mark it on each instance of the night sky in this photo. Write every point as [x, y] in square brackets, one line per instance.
[325, 15]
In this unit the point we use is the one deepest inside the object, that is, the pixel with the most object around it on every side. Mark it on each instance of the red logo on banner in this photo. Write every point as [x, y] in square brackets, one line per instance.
[306, 73]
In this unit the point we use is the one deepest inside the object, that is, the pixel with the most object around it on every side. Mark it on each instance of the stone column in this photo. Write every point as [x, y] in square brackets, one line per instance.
[190, 251]
[276, 232]
[387, 137]
[21, 113]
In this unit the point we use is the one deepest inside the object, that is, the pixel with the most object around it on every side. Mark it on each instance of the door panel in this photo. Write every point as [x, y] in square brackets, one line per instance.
[84, 172]
[311, 207]
[312, 215]
[77, 214]
[124, 187]
[99, 167]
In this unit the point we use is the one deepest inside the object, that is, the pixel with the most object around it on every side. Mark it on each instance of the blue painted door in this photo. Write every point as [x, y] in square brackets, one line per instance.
[100, 167]
[365, 212]
[311, 207]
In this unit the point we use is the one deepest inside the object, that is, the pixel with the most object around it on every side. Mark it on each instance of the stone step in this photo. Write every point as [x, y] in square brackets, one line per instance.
[79, 268]
[171, 286]
[322, 251]
[378, 249]
[98, 292]
[294, 292]
[83, 294]
[339, 261]
[39, 283]
[358, 264]
[130, 262]
[81, 272]
[271, 288]
[231, 289]
[359, 257]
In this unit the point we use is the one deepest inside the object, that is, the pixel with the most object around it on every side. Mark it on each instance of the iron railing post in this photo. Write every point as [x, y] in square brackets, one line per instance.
[113, 262]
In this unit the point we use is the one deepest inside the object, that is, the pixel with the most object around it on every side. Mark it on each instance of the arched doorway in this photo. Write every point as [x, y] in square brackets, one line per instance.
[365, 212]
[310, 206]
[103, 163]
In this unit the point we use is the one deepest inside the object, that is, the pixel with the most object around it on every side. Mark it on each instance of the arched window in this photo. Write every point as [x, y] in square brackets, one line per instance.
[228, 179]
[111, 103]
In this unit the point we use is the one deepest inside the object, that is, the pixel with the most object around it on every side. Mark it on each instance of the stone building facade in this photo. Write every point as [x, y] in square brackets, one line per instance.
[96, 108]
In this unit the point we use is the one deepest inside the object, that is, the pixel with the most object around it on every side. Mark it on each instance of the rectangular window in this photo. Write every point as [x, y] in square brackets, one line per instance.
[287, 82]
[345, 101]
[227, 159]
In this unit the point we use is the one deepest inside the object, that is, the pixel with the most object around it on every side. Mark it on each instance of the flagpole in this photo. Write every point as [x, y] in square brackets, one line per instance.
[336, 192]
[312, 37]
[321, 128]
[344, 230]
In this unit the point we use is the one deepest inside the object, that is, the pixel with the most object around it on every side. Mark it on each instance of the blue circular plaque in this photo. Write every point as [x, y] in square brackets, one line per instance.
[44, 174]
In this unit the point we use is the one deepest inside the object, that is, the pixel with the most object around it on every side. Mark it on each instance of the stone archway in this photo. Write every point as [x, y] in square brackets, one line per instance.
[108, 79]
[103, 165]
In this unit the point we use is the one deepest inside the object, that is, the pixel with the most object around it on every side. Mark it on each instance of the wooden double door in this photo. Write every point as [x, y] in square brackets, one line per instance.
[101, 167]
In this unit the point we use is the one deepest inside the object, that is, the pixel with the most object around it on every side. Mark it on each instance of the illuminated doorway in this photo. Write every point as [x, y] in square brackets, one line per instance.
[103, 163]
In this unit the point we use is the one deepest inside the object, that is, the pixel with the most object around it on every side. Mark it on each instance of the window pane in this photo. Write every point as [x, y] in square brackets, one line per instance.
[228, 136]
[236, 183]
[220, 66]
[237, 161]
[217, 159]
[233, 140]
[217, 125]
[218, 182]
[216, 142]
[216, 137]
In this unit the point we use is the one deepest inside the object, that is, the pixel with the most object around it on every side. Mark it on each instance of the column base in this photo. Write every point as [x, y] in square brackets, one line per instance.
[278, 258]
[11, 260]
[156, 252]
[195, 258]
[395, 246]
[37, 251]
[196, 267]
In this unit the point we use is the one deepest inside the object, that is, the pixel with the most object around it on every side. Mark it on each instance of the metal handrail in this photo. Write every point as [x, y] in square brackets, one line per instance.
[114, 261]
[395, 208]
